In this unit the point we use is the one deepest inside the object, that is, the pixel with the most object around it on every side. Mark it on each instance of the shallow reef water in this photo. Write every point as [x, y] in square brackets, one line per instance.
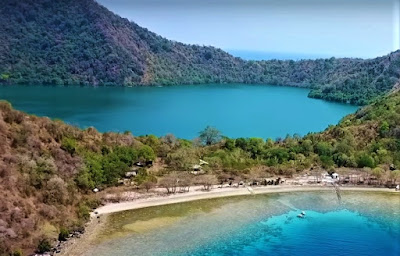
[364, 223]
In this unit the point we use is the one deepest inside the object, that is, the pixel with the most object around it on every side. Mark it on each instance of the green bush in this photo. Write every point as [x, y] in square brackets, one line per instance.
[323, 149]
[44, 246]
[63, 235]
[83, 211]
[17, 253]
[68, 145]
[365, 161]
[146, 153]
[326, 161]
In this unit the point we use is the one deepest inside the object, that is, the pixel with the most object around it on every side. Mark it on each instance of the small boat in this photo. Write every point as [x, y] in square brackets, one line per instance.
[302, 214]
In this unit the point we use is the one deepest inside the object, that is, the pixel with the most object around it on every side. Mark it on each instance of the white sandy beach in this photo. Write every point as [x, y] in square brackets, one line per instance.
[198, 194]
[82, 245]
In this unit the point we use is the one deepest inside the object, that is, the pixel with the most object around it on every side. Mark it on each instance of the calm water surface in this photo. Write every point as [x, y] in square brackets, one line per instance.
[236, 110]
[364, 224]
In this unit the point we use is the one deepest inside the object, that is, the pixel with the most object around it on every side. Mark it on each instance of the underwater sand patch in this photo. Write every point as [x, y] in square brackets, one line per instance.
[141, 226]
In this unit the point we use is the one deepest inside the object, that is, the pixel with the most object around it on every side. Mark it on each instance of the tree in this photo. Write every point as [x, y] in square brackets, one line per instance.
[68, 145]
[229, 144]
[148, 184]
[384, 128]
[326, 161]
[152, 141]
[394, 176]
[365, 161]
[169, 182]
[4, 76]
[307, 147]
[207, 181]
[210, 135]
[55, 191]
[146, 153]
[378, 173]
[185, 181]
[323, 149]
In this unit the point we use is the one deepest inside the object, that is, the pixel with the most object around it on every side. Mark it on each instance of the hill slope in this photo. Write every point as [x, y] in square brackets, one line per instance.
[79, 42]
[48, 168]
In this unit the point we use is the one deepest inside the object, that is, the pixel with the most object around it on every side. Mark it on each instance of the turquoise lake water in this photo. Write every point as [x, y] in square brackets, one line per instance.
[236, 110]
[363, 224]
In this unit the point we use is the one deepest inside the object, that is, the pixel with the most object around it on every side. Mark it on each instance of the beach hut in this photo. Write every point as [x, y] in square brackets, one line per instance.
[197, 169]
[202, 162]
[130, 174]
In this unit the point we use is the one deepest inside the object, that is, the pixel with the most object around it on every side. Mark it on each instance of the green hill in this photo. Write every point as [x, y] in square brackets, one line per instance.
[48, 168]
[79, 42]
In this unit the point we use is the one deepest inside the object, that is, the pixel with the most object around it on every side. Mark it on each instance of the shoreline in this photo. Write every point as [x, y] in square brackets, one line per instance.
[80, 246]
[194, 195]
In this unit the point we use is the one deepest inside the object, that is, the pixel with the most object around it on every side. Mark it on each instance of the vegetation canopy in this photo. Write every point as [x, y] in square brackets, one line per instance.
[79, 42]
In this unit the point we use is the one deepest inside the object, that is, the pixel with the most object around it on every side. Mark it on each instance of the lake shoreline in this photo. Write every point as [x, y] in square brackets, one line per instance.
[199, 194]
[79, 246]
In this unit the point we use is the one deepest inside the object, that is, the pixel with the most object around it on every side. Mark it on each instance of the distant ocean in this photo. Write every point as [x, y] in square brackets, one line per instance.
[259, 55]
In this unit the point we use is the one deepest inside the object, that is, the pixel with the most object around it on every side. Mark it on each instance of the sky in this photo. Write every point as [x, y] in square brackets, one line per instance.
[325, 28]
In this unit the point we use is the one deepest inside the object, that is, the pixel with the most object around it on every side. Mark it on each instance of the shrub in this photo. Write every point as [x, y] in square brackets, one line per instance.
[146, 153]
[84, 180]
[326, 161]
[384, 129]
[83, 211]
[17, 253]
[68, 145]
[44, 246]
[365, 161]
[63, 235]
[323, 149]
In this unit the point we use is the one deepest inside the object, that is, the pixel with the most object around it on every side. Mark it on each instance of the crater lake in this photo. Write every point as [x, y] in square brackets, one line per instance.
[237, 110]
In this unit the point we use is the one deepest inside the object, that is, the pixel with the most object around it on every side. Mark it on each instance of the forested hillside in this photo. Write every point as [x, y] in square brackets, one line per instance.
[48, 169]
[45, 176]
[79, 42]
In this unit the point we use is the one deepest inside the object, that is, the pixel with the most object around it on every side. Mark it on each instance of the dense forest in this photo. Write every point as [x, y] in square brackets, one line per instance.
[48, 169]
[79, 42]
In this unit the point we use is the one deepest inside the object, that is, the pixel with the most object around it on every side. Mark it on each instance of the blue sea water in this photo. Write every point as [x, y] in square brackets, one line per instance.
[341, 232]
[362, 224]
[236, 110]
[260, 55]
